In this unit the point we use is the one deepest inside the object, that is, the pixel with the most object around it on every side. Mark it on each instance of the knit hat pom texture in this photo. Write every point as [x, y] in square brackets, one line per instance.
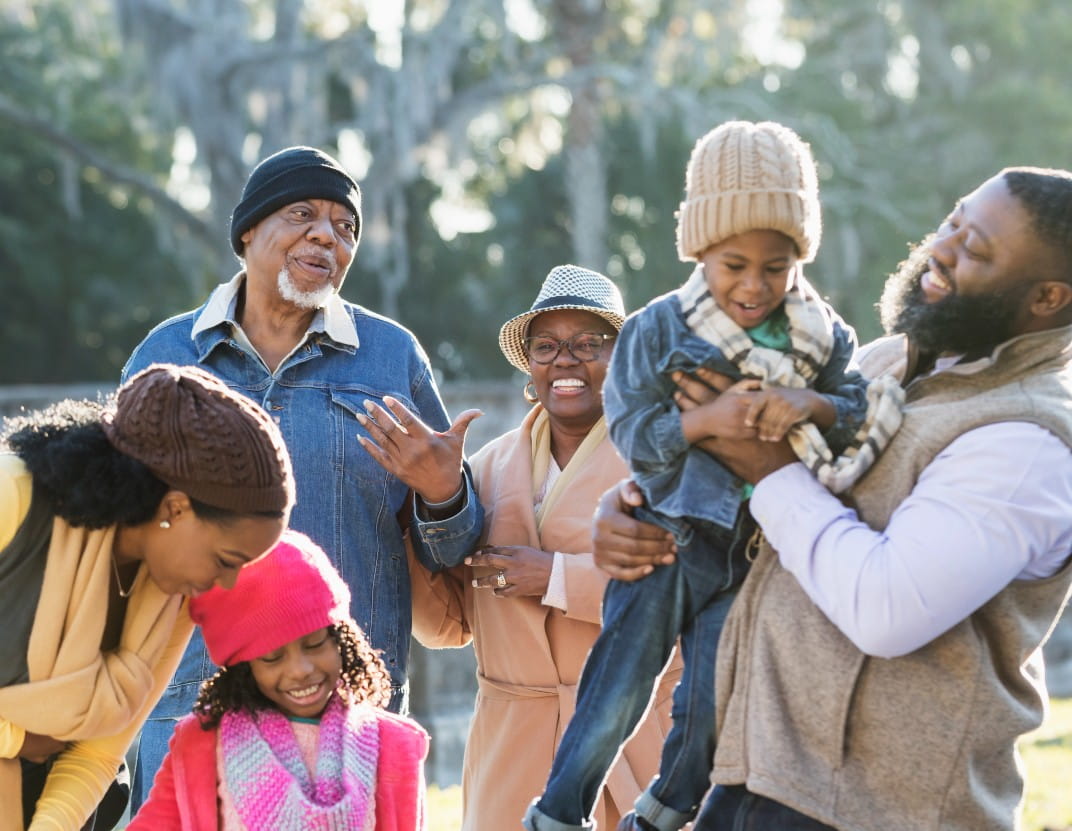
[288, 593]
[745, 176]
[200, 437]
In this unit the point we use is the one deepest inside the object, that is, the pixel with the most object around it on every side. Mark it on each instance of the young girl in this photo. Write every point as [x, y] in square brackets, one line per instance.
[290, 734]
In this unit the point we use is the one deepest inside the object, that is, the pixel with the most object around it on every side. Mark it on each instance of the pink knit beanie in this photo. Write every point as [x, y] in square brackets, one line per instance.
[286, 594]
[745, 177]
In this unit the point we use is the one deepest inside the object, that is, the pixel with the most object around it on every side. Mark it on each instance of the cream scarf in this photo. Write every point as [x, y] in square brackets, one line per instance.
[541, 460]
[75, 692]
[811, 333]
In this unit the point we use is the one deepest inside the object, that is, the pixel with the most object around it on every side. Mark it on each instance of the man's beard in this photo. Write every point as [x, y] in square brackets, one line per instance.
[315, 299]
[959, 324]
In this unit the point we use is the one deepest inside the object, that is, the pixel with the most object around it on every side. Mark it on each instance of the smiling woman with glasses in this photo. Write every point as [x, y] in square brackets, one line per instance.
[530, 598]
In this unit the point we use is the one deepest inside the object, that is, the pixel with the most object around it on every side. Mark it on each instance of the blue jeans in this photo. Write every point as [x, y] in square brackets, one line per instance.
[641, 622]
[152, 747]
[735, 808]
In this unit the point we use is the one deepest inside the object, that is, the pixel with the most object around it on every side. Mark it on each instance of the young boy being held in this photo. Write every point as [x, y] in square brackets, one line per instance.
[750, 220]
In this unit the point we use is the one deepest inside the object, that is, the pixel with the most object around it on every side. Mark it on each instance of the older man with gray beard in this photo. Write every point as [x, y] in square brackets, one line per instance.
[373, 450]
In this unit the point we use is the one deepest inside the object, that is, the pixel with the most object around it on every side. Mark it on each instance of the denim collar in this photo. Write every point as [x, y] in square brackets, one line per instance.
[218, 316]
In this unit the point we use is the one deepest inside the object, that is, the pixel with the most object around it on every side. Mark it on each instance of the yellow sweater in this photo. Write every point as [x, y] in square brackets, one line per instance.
[97, 702]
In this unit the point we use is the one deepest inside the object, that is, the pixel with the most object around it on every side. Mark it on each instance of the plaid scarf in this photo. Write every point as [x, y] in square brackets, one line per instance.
[270, 783]
[811, 335]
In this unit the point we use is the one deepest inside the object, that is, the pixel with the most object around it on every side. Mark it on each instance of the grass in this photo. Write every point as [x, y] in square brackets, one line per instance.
[1047, 754]
[445, 808]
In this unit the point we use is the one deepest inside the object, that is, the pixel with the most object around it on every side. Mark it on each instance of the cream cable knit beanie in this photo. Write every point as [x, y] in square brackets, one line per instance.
[744, 176]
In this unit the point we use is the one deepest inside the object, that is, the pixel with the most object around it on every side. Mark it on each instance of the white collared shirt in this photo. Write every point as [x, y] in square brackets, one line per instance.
[996, 504]
[332, 319]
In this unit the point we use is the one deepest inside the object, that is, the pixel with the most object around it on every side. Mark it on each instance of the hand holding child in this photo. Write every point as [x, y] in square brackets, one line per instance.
[774, 410]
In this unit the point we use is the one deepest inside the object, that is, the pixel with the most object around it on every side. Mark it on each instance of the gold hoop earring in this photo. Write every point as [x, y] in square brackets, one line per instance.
[530, 392]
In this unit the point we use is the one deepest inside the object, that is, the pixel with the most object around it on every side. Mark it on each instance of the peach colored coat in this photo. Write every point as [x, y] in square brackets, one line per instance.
[529, 656]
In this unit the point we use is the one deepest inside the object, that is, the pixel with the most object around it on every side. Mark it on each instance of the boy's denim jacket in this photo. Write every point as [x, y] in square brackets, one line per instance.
[680, 481]
[345, 500]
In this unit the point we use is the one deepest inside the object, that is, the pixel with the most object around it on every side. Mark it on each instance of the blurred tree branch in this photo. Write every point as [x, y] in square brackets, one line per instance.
[114, 171]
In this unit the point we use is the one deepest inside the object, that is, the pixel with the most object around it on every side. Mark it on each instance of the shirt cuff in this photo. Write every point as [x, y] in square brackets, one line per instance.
[445, 502]
[425, 509]
[556, 583]
[793, 509]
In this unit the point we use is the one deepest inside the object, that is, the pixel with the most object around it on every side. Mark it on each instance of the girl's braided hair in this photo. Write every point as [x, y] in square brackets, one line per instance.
[364, 679]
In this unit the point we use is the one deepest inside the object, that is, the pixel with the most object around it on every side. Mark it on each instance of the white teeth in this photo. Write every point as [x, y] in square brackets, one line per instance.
[568, 382]
[938, 280]
[305, 693]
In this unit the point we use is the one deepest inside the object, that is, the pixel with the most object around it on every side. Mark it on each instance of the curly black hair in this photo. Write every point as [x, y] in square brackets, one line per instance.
[1047, 197]
[364, 680]
[85, 480]
[82, 476]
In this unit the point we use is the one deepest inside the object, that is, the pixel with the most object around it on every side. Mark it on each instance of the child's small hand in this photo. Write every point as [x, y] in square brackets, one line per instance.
[713, 406]
[775, 410]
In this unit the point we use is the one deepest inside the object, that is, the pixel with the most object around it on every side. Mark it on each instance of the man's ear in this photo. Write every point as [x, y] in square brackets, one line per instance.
[1050, 297]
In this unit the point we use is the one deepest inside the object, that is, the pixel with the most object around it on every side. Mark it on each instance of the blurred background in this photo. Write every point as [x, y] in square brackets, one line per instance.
[493, 139]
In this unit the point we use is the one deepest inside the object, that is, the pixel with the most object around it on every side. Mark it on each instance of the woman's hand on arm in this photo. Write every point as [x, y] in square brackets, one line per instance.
[38, 748]
[626, 548]
[525, 570]
[427, 460]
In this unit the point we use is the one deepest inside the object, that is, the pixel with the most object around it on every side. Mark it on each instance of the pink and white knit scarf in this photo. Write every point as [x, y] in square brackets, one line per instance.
[271, 785]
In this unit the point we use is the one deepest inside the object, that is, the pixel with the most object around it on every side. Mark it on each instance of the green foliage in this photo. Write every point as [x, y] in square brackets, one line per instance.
[485, 278]
[907, 105]
[81, 271]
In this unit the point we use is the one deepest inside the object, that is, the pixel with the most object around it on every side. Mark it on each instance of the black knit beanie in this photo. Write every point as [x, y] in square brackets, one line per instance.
[291, 175]
[198, 436]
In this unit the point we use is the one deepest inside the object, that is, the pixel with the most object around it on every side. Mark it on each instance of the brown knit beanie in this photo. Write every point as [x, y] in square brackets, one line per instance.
[743, 177]
[198, 436]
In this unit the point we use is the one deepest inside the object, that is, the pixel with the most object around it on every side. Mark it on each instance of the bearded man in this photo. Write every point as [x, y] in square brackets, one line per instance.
[884, 654]
[373, 451]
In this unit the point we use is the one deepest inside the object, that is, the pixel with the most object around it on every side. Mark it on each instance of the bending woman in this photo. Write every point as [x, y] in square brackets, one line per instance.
[110, 515]
[530, 598]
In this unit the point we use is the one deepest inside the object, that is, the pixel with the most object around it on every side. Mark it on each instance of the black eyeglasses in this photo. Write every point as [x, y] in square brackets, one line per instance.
[584, 346]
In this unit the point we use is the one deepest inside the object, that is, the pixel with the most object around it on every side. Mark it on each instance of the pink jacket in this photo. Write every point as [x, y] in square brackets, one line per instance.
[183, 797]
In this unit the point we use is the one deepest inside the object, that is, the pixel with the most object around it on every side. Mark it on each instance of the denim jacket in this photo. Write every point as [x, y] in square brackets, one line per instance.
[346, 501]
[680, 481]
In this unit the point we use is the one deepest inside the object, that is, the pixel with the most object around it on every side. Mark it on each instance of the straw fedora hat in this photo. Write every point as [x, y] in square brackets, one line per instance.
[566, 287]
